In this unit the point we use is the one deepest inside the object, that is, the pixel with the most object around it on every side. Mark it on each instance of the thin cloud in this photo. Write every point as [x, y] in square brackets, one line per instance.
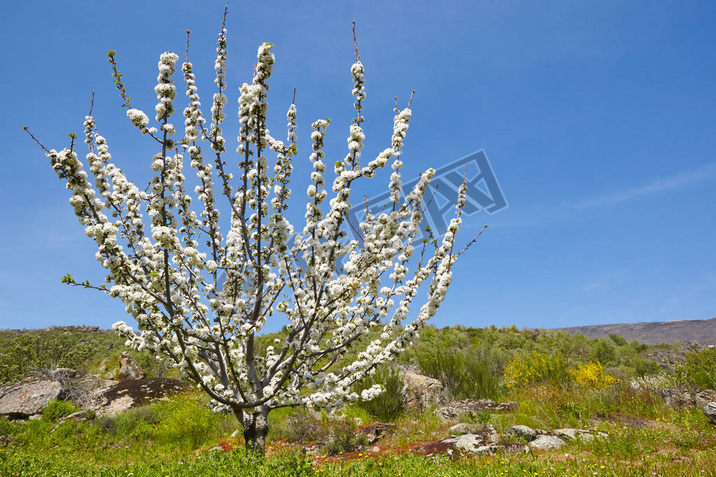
[661, 185]
[606, 282]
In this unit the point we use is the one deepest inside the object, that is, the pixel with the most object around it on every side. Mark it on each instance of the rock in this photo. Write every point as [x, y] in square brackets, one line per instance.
[134, 392]
[492, 434]
[514, 448]
[104, 365]
[680, 398]
[710, 411]
[484, 442]
[420, 391]
[546, 443]
[474, 444]
[573, 434]
[523, 431]
[28, 397]
[704, 397]
[463, 428]
[129, 368]
[472, 407]
[677, 398]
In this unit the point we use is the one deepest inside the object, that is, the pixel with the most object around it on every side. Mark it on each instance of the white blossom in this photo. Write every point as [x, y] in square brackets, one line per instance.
[202, 285]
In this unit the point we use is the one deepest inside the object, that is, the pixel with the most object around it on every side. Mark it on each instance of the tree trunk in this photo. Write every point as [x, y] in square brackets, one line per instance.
[255, 424]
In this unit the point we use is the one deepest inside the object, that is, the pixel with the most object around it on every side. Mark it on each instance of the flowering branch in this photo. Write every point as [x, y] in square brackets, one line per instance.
[201, 289]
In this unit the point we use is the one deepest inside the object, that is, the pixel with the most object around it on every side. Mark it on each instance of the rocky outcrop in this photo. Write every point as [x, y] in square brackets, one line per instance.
[129, 368]
[680, 398]
[482, 442]
[28, 397]
[134, 392]
[472, 407]
[710, 411]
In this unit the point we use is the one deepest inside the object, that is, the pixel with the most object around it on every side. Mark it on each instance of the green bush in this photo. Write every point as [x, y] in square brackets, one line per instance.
[58, 409]
[466, 374]
[185, 422]
[699, 368]
[389, 405]
[35, 350]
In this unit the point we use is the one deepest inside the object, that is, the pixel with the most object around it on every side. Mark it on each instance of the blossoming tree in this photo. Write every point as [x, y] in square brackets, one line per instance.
[201, 289]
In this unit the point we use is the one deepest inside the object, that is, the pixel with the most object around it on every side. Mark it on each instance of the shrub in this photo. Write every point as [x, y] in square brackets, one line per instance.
[466, 374]
[388, 405]
[592, 375]
[342, 438]
[58, 409]
[536, 367]
[699, 368]
[184, 421]
[299, 427]
[33, 350]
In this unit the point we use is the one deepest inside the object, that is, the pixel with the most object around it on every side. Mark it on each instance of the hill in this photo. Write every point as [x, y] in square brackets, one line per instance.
[700, 331]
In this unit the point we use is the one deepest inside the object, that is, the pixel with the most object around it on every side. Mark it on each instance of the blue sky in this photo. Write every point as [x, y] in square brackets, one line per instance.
[598, 117]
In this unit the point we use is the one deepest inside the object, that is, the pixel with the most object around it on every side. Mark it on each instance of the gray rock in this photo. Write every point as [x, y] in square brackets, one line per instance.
[485, 442]
[28, 397]
[523, 431]
[129, 368]
[463, 428]
[710, 411]
[513, 448]
[677, 398]
[546, 443]
[702, 398]
[473, 407]
[474, 444]
[573, 434]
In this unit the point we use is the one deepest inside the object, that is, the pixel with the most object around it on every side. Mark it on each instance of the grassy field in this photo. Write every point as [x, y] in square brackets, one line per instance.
[558, 381]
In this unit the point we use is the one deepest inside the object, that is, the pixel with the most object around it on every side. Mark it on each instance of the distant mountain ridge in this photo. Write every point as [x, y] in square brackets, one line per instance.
[657, 332]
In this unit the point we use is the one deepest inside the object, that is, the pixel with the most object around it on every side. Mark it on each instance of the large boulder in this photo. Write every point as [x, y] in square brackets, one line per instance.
[28, 397]
[129, 368]
[472, 407]
[710, 411]
[420, 391]
[135, 392]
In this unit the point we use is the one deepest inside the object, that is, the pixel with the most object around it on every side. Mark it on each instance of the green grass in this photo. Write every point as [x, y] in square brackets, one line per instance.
[173, 438]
